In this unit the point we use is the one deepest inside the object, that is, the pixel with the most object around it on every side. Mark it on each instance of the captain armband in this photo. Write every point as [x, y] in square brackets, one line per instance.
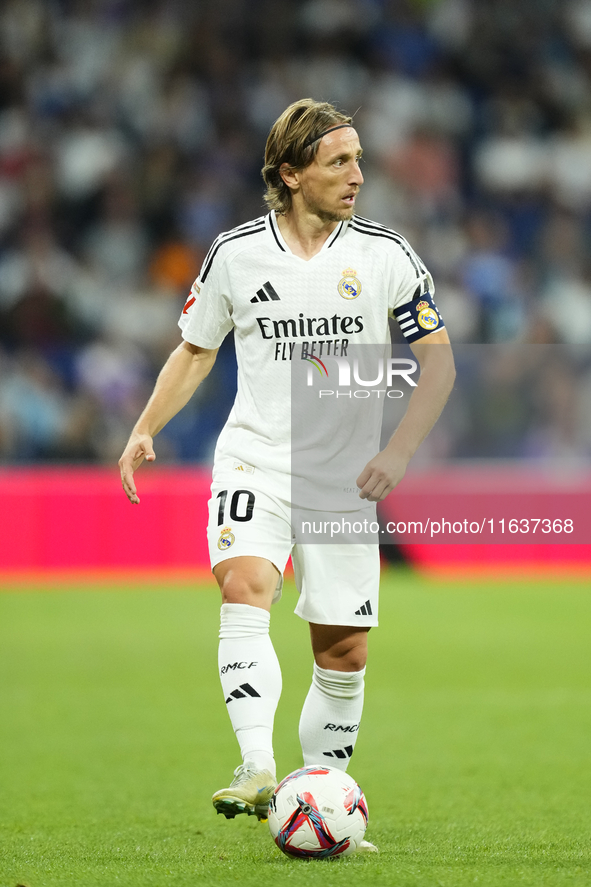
[418, 318]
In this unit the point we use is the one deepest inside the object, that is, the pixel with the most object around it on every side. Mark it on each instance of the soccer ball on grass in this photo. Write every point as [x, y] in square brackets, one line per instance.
[317, 812]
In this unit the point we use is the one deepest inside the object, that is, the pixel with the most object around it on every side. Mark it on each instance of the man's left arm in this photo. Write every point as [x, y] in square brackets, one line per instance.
[386, 470]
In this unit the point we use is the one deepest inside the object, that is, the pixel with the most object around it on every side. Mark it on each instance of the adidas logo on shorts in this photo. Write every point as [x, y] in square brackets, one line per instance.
[364, 610]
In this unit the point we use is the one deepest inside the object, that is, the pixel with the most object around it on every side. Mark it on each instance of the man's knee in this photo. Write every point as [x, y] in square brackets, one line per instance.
[339, 647]
[247, 580]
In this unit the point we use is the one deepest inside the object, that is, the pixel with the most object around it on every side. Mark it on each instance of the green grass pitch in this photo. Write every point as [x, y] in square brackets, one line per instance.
[474, 752]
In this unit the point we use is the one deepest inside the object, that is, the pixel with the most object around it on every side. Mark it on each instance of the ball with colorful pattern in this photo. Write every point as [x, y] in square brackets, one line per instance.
[318, 812]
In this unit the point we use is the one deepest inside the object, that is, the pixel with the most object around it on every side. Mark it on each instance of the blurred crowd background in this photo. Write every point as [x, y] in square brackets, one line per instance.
[132, 132]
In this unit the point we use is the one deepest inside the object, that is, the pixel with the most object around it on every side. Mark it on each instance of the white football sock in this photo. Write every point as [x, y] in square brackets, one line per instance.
[251, 680]
[330, 717]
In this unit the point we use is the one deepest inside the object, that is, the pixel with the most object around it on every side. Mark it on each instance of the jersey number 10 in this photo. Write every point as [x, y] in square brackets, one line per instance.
[235, 504]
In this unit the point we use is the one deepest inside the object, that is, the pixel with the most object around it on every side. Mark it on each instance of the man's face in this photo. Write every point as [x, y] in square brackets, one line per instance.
[330, 184]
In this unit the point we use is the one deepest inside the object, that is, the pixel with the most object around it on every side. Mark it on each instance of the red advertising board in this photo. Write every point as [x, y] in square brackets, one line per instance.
[78, 520]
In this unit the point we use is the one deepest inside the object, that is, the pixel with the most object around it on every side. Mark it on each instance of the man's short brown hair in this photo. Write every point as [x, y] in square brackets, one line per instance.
[292, 141]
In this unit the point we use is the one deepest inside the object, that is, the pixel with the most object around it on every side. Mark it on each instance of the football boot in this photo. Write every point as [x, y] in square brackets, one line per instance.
[249, 792]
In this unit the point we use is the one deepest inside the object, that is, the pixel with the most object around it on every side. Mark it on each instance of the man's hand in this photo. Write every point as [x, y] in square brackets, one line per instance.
[386, 470]
[178, 380]
[381, 475]
[138, 448]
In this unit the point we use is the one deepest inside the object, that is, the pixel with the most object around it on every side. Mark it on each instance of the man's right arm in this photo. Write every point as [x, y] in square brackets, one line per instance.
[185, 369]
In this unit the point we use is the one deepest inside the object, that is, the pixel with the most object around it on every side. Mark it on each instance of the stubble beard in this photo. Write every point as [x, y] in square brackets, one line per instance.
[327, 215]
[341, 216]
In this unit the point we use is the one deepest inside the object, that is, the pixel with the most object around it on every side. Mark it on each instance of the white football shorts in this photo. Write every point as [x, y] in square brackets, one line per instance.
[338, 584]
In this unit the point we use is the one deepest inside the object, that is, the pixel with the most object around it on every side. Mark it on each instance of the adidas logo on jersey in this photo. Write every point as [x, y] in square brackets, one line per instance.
[365, 610]
[265, 293]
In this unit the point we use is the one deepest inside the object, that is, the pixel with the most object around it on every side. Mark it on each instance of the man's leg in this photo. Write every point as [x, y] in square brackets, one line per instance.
[332, 711]
[251, 679]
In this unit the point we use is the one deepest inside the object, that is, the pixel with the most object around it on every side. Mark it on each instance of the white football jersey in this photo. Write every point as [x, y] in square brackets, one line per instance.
[283, 308]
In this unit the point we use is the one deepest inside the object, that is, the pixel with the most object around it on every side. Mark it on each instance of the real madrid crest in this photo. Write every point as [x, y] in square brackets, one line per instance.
[226, 539]
[426, 316]
[349, 286]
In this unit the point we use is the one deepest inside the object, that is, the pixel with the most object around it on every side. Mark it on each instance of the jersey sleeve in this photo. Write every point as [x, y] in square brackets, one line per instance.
[206, 318]
[411, 296]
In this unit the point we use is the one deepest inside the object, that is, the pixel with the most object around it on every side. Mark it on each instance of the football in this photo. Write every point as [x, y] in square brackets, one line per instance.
[317, 812]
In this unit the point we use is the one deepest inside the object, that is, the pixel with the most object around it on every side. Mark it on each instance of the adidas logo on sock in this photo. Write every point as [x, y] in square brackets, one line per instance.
[339, 752]
[238, 694]
[365, 610]
[265, 293]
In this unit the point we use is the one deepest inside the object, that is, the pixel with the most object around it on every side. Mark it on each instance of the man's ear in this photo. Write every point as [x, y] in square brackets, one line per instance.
[290, 176]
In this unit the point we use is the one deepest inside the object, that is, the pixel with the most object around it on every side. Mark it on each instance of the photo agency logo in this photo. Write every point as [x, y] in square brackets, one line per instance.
[338, 406]
[361, 379]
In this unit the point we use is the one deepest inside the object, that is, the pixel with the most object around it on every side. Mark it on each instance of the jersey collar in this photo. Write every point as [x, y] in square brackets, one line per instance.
[280, 243]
